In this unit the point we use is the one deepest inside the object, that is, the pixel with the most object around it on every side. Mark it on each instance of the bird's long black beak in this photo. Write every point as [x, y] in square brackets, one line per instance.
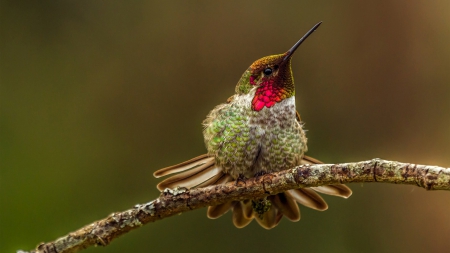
[292, 50]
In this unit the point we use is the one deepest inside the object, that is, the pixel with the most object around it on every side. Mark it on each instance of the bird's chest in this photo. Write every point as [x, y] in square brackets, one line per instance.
[247, 142]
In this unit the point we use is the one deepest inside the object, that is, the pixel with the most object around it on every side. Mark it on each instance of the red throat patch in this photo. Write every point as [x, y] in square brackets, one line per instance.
[267, 95]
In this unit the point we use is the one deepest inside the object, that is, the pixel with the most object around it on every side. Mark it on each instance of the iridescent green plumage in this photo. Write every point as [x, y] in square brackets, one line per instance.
[244, 86]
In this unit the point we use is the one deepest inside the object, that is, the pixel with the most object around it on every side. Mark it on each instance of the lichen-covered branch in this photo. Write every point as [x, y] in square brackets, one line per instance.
[175, 201]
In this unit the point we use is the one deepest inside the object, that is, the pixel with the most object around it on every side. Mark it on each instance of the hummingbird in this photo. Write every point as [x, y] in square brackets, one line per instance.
[257, 131]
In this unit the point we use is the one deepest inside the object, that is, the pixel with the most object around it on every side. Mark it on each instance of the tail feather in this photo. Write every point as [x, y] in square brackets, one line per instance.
[285, 203]
[270, 218]
[338, 190]
[215, 212]
[189, 164]
[213, 180]
[227, 178]
[191, 178]
[247, 208]
[240, 218]
[309, 198]
[309, 160]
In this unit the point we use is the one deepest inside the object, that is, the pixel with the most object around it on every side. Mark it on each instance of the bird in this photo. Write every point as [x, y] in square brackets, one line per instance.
[256, 131]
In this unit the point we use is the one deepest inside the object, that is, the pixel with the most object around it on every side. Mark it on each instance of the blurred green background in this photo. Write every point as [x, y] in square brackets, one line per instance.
[96, 95]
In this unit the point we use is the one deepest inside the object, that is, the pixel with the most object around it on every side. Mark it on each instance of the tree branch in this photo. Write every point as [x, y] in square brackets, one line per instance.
[175, 201]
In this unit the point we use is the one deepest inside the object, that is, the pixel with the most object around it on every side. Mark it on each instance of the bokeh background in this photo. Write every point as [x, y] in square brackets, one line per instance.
[96, 95]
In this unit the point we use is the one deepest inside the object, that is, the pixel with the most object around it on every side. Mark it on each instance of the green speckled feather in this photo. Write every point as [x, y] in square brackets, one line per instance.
[247, 142]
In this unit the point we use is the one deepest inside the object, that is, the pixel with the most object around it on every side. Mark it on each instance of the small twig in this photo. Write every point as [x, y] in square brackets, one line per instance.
[175, 201]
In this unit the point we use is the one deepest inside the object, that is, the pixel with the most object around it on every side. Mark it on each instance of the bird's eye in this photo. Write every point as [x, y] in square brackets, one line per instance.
[267, 71]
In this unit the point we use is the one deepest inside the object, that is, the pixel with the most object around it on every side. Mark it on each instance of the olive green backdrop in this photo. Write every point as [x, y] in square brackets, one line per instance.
[96, 95]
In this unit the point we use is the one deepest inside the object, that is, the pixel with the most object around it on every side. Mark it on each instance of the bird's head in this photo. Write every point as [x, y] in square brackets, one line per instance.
[272, 77]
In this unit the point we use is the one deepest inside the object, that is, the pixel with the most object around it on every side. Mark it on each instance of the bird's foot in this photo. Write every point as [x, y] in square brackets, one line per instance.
[241, 178]
[260, 173]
